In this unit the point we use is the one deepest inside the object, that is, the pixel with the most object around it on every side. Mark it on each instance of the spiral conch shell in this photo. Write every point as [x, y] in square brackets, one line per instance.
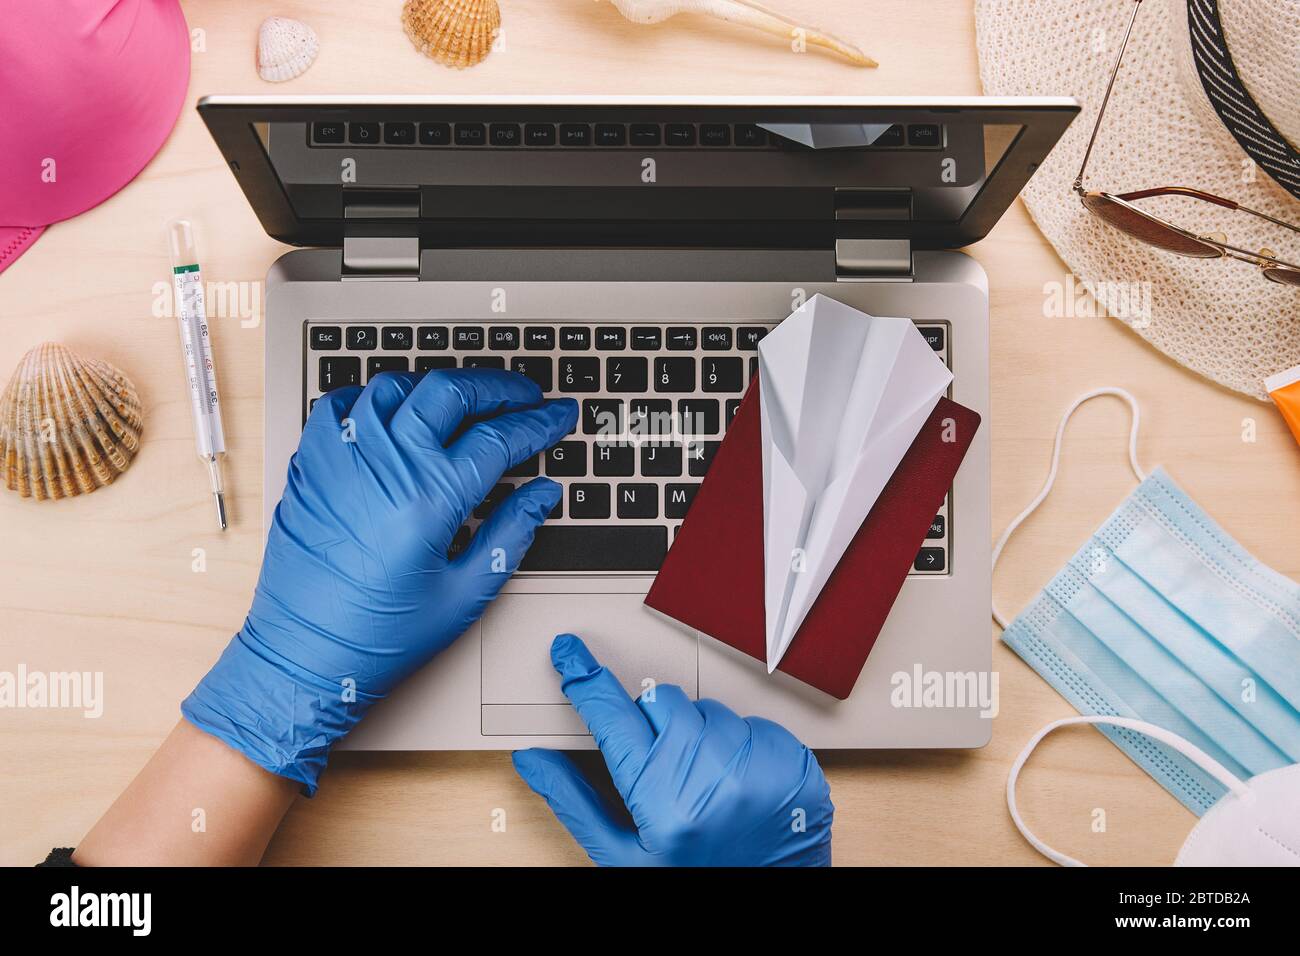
[68, 425]
[456, 33]
[745, 12]
[285, 48]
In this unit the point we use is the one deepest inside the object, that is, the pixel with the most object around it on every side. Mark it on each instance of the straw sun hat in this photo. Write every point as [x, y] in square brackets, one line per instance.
[1208, 96]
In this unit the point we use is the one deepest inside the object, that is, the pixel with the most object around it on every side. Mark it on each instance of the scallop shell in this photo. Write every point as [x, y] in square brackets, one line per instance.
[456, 33]
[285, 48]
[68, 425]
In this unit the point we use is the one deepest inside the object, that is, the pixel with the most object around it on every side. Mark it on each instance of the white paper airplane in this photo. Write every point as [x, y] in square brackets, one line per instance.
[842, 396]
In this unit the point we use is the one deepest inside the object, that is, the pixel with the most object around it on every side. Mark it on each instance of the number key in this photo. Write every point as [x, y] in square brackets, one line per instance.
[626, 374]
[675, 374]
[579, 374]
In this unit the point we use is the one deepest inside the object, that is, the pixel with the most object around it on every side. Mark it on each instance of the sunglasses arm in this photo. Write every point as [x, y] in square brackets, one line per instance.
[1078, 180]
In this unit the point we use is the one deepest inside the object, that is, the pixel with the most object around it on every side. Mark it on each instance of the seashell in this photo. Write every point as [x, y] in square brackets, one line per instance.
[456, 33]
[285, 48]
[745, 12]
[68, 425]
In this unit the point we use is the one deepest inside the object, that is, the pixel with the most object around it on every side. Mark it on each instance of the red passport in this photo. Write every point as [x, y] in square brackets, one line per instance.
[712, 579]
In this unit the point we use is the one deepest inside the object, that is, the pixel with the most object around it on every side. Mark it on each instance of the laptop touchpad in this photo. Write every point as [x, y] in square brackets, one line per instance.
[637, 644]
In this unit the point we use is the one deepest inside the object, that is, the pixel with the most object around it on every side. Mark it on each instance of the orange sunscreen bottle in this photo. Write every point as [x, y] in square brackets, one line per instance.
[1284, 389]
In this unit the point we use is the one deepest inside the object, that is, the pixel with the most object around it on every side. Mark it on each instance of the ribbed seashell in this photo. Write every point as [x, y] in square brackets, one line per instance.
[456, 33]
[285, 48]
[745, 12]
[68, 425]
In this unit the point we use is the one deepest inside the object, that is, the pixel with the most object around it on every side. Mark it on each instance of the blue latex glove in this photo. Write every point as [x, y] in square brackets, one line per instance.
[357, 590]
[704, 786]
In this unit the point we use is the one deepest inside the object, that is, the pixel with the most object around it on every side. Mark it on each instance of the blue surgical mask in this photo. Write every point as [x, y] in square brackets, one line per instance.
[1161, 616]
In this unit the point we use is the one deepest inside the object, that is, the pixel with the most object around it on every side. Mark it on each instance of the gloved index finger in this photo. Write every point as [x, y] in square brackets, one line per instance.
[622, 732]
[446, 397]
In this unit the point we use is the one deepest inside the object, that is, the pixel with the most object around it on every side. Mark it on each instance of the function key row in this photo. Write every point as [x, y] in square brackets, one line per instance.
[571, 135]
[512, 338]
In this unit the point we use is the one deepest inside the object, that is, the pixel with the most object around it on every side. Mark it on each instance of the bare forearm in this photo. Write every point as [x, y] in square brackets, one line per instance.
[196, 803]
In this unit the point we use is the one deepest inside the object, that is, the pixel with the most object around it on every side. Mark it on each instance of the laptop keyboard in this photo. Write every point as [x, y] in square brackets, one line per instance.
[655, 402]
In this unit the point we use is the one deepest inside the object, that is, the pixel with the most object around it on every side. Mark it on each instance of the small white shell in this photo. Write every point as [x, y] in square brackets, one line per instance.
[68, 425]
[285, 48]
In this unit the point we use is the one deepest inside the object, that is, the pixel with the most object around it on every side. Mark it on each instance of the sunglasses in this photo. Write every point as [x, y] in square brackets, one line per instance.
[1119, 210]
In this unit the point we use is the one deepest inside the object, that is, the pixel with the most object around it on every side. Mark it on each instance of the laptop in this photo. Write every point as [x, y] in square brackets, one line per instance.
[631, 253]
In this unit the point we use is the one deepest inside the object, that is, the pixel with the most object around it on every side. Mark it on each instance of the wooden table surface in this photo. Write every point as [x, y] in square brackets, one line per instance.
[105, 582]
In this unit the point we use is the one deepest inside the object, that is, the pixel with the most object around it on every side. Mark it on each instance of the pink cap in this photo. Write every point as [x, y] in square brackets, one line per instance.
[89, 90]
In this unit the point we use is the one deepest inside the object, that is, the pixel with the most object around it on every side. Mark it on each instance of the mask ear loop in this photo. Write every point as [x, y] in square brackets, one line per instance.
[1056, 461]
[1193, 753]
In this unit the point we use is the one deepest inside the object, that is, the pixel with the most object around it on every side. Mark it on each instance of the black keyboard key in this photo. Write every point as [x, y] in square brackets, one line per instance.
[678, 498]
[467, 337]
[638, 501]
[498, 494]
[337, 371]
[716, 338]
[748, 135]
[432, 338]
[715, 134]
[889, 138]
[679, 134]
[362, 338]
[363, 134]
[610, 134]
[733, 406]
[580, 374]
[698, 416]
[539, 134]
[528, 468]
[610, 460]
[930, 559]
[536, 367]
[503, 338]
[568, 459]
[674, 375]
[722, 375]
[482, 361]
[397, 338]
[588, 501]
[459, 541]
[602, 547]
[681, 339]
[934, 336]
[611, 338]
[925, 134]
[644, 134]
[504, 134]
[575, 134]
[753, 368]
[399, 134]
[650, 416]
[326, 337]
[627, 373]
[645, 338]
[661, 461]
[385, 363]
[471, 134]
[427, 363]
[747, 338]
[575, 338]
[539, 338]
[602, 416]
[327, 132]
[699, 455]
[937, 527]
[435, 134]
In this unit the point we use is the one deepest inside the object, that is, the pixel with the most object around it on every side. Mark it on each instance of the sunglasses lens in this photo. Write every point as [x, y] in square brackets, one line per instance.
[1145, 229]
[1283, 275]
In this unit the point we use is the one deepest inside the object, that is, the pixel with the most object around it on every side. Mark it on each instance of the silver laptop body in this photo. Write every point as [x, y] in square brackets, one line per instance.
[630, 254]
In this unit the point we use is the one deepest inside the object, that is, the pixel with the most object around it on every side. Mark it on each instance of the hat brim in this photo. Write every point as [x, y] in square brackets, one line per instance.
[14, 241]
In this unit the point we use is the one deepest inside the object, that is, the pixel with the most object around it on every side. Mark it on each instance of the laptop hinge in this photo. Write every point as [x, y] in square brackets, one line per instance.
[873, 258]
[370, 250]
[381, 257]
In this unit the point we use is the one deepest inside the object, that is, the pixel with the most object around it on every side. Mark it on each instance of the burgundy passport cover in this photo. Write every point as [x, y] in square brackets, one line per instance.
[712, 579]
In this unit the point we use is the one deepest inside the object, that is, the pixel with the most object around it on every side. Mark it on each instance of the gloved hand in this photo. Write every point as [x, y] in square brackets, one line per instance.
[704, 787]
[357, 589]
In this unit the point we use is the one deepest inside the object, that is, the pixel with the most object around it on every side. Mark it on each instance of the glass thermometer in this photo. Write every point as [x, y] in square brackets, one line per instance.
[196, 348]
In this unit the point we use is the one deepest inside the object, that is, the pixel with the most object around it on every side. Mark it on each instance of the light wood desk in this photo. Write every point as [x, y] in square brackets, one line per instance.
[105, 582]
